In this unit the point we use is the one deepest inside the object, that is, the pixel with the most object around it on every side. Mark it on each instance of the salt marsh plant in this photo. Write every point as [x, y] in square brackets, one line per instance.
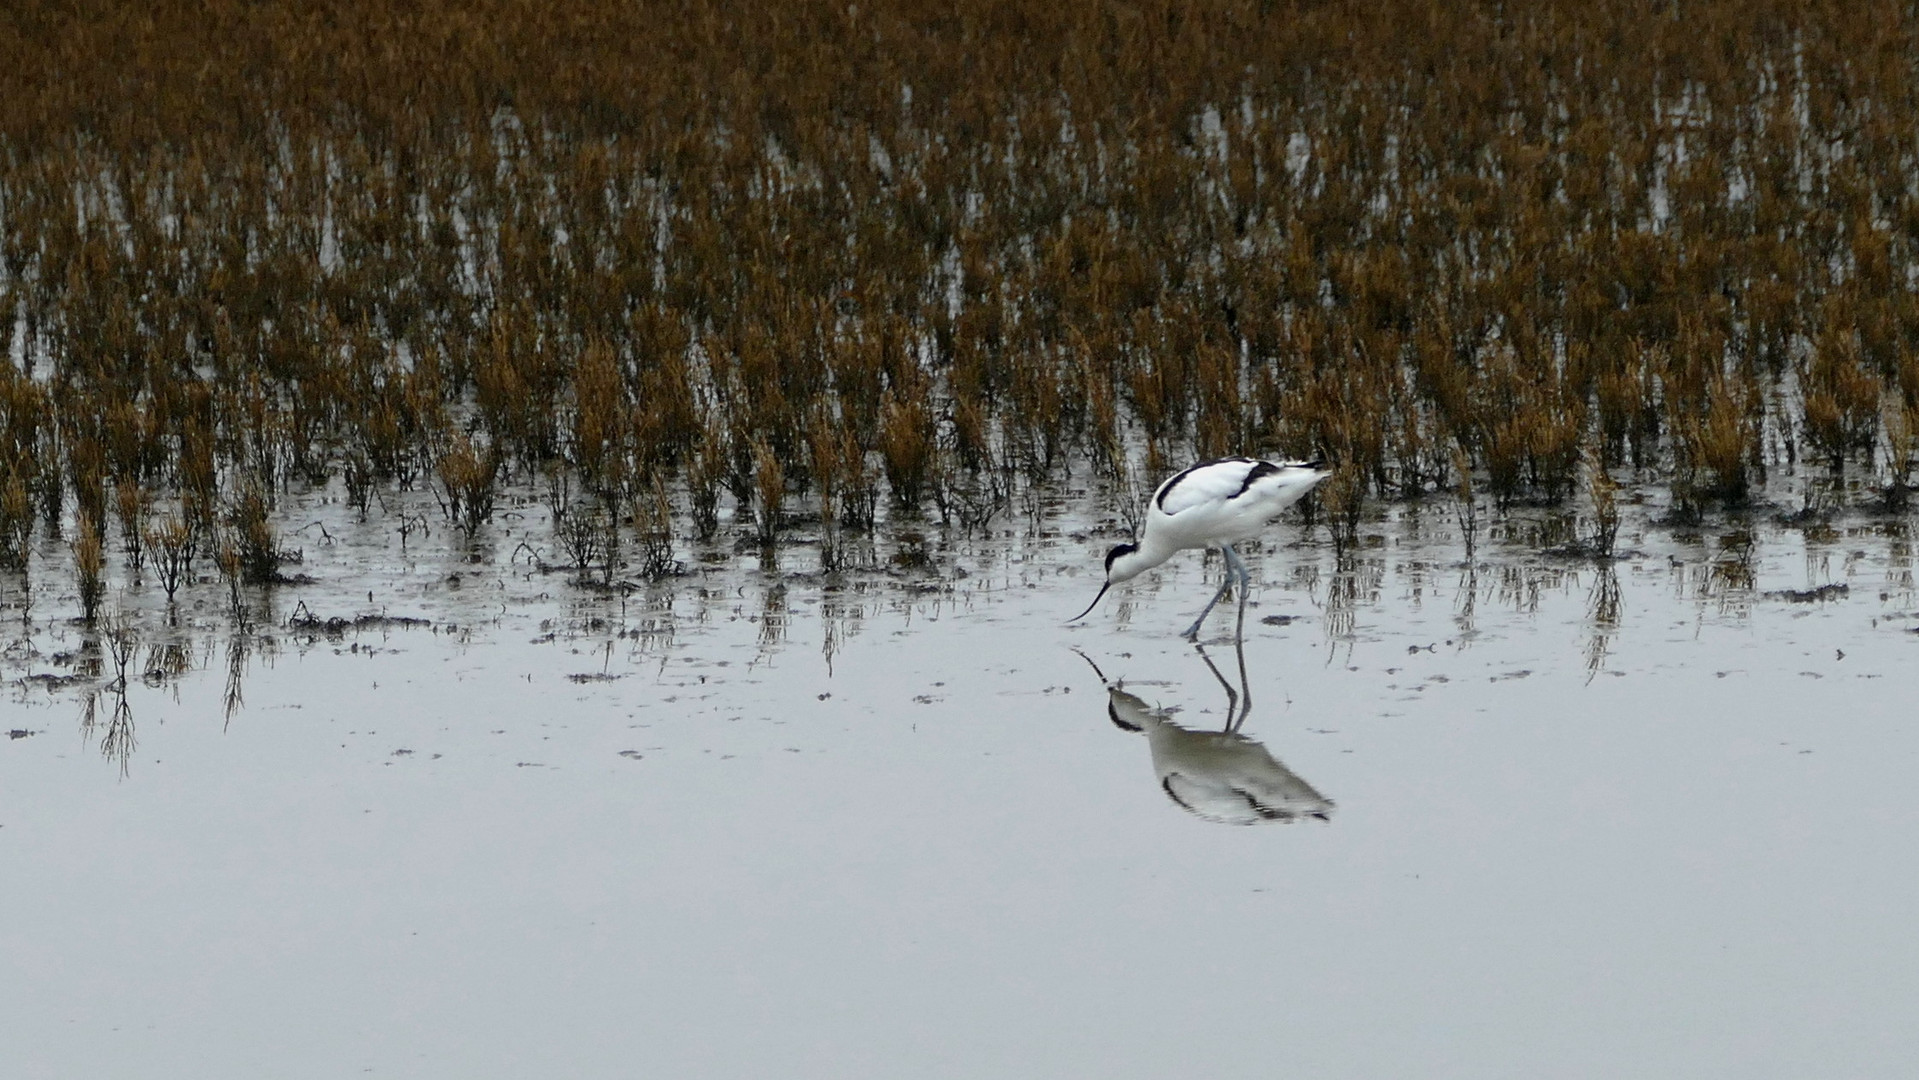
[16, 524]
[878, 251]
[253, 543]
[89, 566]
[232, 567]
[1902, 453]
[906, 446]
[653, 530]
[590, 539]
[171, 545]
[132, 503]
[1603, 493]
[468, 477]
[704, 473]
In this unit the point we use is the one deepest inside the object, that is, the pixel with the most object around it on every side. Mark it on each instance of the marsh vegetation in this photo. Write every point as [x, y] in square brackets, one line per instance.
[696, 266]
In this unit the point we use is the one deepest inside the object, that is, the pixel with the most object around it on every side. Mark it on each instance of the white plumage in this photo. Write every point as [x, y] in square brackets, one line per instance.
[1222, 776]
[1212, 504]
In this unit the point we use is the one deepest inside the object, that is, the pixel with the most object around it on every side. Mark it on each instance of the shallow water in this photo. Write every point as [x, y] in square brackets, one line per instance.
[1652, 822]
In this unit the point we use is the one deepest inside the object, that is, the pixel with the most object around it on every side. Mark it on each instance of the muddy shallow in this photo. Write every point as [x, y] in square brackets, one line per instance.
[756, 821]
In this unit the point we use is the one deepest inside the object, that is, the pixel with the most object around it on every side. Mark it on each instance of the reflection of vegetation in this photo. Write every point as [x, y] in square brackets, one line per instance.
[1520, 585]
[1603, 606]
[116, 653]
[115, 733]
[1354, 581]
[1899, 577]
[235, 695]
[1726, 578]
[117, 742]
[1731, 576]
[772, 616]
[167, 661]
[1465, 613]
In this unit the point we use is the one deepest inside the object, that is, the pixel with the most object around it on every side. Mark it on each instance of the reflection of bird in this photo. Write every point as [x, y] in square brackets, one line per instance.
[1221, 776]
[1211, 504]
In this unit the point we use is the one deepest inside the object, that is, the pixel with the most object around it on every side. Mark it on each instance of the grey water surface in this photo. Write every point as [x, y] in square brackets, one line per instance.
[1518, 816]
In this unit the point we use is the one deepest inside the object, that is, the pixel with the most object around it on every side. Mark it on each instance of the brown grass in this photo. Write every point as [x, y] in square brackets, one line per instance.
[171, 545]
[16, 524]
[89, 566]
[468, 475]
[255, 544]
[648, 240]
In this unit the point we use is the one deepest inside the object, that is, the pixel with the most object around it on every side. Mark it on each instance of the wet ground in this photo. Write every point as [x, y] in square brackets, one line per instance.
[1518, 816]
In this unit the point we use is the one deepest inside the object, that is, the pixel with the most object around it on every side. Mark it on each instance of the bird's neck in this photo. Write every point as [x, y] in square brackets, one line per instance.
[1134, 563]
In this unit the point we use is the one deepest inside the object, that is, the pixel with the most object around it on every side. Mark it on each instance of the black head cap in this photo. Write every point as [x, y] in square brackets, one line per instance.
[1118, 550]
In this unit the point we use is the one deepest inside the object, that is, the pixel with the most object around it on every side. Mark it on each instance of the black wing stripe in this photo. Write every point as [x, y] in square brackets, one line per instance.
[1166, 785]
[1270, 813]
[1167, 488]
[1263, 468]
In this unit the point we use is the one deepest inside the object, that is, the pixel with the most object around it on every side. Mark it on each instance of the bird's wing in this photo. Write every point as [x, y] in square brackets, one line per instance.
[1207, 484]
[1223, 800]
[1213, 483]
[1213, 801]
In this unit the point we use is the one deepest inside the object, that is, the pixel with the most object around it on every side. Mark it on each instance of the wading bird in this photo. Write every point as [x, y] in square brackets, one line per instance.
[1212, 504]
[1221, 776]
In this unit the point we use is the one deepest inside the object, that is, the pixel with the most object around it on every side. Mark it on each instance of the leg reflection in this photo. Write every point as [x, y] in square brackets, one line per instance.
[1222, 776]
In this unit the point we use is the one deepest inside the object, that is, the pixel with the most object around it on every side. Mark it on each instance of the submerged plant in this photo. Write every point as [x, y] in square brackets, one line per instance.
[171, 543]
[254, 543]
[906, 446]
[1902, 453]
[16, 523]
[89, 563]
[590, 538]
[1014, 237]
[770, 486]
[467, 484]
[1603, 491]
[653, 529]
[133, 503]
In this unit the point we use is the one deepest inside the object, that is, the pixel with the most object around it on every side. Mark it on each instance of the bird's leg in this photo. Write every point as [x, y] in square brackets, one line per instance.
[1239, 702]
[1245, 688]
[1192, 632]
[1236, 568]
[1232, 695]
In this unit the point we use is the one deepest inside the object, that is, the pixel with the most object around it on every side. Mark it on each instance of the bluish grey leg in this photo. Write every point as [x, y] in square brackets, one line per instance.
[1234, 567]
[1192, 632]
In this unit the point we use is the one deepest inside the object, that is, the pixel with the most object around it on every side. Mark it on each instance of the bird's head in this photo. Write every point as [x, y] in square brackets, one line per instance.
[1119, 567]
[1129, 712]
